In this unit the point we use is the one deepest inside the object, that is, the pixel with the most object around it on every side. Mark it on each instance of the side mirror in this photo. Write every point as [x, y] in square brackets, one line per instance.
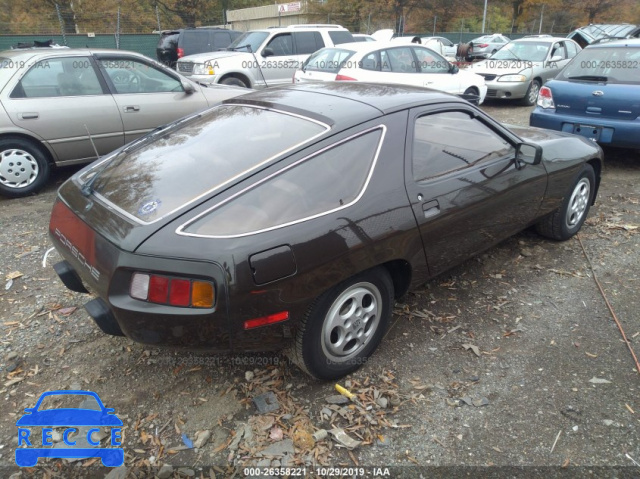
[529, 154]
[267, 52]
[454, 69]
[187, 87]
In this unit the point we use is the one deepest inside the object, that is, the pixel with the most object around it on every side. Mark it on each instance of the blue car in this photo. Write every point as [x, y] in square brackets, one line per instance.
[597, 95]
[77, 421]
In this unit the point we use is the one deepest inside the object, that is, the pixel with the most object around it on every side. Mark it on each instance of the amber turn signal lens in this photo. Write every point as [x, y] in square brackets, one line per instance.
[202, 294]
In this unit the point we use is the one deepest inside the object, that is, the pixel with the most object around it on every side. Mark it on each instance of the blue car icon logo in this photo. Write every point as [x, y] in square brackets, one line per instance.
[79, 423]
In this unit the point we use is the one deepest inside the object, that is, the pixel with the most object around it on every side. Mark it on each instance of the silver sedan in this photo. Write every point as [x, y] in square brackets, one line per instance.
[69, 106]
[518, 70]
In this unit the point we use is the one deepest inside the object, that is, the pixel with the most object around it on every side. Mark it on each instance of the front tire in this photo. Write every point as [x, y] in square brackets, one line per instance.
[24, 168]
[233, 81]
[567, 220]
[344, 326]
[531, 96]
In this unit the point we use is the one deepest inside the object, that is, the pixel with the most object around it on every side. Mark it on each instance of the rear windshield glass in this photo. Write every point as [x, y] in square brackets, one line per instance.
[168, 40]
[613, 65]
[200, 155]
[328, 60]
[338, 37]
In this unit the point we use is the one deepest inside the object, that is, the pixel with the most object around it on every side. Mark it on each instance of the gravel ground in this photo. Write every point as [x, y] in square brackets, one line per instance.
[511, 360]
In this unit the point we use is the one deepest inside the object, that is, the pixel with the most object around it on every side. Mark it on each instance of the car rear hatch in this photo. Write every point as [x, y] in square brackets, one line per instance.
[596, 99]
[601, 82]
[108, 210]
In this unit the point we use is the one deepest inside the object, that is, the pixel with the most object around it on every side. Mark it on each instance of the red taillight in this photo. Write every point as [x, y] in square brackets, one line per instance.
[272, 318]
[545, 98]
[172, 291]
[158, 289]
[483, 45]
[180, 292]
[180, 52]
[344, 78]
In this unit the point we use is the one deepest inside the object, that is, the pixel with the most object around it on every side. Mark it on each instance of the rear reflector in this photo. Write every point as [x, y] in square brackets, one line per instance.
[273, 318]
[344, 78]
[172, 291]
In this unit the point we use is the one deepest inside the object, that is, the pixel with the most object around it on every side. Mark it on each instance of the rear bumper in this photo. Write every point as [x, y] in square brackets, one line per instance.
[605, 131]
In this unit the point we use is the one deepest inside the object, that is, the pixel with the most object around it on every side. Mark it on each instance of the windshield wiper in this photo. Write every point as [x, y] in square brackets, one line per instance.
[589, 78]
[247, 46]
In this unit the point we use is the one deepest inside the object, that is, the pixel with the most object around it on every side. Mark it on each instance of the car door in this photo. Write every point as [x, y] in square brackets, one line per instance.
[281, 61]
[465, 187]
[64, 101]
[448, 47]
[391, 65]
[147, 96]
[435, 71]
[557, 58]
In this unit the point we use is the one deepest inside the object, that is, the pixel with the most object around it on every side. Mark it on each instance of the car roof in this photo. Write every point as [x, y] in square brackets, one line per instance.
[343, 104]
[62, 52]
[302, 28]
[548, 39]
[363, 47]
[625, 42]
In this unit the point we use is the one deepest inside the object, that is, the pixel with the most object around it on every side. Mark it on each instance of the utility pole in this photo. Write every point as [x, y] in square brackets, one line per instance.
[435, 18]
[541, 14]
[484, 16]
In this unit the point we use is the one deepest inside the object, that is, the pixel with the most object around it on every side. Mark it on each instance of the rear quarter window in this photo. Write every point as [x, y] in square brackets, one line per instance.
[330, 60]
[338, 37]
[325, 182]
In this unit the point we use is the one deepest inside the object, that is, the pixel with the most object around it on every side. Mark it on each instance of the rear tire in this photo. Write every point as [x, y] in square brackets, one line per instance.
[344, 326]
[233, 81]
[24, 168]
[567, 220]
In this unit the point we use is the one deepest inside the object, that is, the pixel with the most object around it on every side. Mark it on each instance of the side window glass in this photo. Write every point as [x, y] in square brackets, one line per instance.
[221, 39]
[74, 76]
[305, 43]
[385, 62]
[132, 76]
[281, 45]
[558, 50]
[371, 62]
[430, 62]
[572, 51]
[448, 141]
[402, 60]
[331, 180]
[319, 40]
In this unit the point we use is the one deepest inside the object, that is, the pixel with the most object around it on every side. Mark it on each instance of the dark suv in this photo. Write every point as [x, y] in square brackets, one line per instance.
[175, 44]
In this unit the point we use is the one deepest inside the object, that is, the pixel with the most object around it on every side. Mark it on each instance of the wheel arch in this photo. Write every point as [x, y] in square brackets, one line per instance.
[43, 147]
[400, 272]
[596, 164]
[240, 76]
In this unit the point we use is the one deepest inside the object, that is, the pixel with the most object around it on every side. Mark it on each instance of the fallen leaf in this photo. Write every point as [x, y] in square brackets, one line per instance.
[14, 275]
[596, 380]
[472, 347]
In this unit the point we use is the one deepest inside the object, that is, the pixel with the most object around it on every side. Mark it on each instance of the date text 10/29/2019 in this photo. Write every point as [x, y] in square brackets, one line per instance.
[321, 471]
